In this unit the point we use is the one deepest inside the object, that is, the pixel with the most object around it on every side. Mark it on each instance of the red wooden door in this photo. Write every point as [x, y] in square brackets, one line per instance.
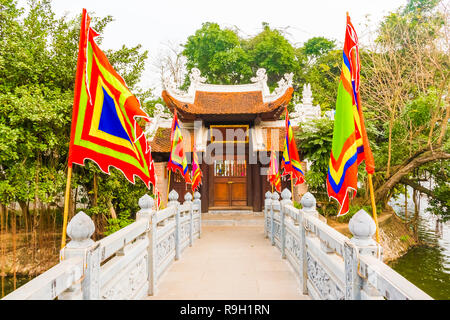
[230, 183]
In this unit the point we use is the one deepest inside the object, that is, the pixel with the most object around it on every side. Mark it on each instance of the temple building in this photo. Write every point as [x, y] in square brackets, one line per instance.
[232, 128]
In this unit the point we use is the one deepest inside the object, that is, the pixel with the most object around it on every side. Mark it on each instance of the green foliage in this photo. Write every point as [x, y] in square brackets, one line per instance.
[224, 58]
[297, 205]
[353, 209]
[316, 47]
[272, 51]
[404, 238]
[440, 205]
[122, 221]
[38, 58]
[314, 140]
[218, 54]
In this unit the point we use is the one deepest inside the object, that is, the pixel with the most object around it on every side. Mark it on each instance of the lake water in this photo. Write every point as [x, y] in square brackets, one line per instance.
[428, 265]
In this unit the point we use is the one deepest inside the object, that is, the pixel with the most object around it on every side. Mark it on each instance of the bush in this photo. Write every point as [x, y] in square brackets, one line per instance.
[354, 209]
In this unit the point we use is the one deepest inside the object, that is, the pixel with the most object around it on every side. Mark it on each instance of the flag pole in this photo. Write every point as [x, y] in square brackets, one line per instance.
[168, 187]
[374, 208]
[292, 187]
[66, 206]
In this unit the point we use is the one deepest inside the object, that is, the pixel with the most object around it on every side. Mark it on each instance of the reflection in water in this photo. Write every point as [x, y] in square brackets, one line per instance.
[428, 265]
[9, 283]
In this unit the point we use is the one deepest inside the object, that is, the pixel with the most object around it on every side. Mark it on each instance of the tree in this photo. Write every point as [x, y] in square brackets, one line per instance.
[225, 58]
[405, 89]
[218, 54]
[38, 55]
[270, 50]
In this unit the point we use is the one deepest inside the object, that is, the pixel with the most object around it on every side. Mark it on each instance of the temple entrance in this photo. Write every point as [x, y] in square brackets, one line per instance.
[230, 183]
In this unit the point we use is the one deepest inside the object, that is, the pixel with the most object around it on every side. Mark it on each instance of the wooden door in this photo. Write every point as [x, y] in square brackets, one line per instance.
[230, 183]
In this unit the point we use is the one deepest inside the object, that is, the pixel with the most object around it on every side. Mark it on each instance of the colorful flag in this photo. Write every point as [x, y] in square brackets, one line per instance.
[196, 172]
[105, 113]
[158, 199]
[177, 160]
[290, 162]
[273, 175]
[350, 145]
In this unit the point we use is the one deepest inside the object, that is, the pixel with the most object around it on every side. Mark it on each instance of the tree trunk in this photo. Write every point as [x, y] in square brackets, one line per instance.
[382, 192]
[406, 202]
[95, 190]
[2, 248]
[388, 169]
[416, 215]
[13, 226]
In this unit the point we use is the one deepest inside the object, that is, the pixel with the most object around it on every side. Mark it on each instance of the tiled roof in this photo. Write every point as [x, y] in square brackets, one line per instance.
[250, 102]
[161, 140]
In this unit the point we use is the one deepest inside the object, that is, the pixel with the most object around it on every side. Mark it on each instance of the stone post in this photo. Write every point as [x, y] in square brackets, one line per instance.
[267, 203]
[188, 201]
[275, 204]
[146, 204]
[198, 203]
[286, 200]
[363, 228]
[79, 230]
[173, 202]
[308, 203]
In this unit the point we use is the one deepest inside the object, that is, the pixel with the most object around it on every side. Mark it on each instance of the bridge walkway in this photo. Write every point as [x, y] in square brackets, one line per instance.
[230, 262]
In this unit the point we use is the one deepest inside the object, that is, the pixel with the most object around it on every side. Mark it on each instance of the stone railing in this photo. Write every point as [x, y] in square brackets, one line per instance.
[328, 264]
[124, 265]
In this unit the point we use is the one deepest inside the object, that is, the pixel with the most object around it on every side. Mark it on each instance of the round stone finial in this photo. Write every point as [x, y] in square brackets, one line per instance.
[188, 197]
[173, 195]
[275, 196]
[146, 202]
[197, 195]
[308, 202]
[286, 194]
[80, 229]
[362, 226]
[268, 195]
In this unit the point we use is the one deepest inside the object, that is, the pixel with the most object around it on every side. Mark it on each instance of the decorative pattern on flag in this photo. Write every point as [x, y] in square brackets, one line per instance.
[196, 172]
[273, 174]
[105, 112]
[158, 199]
[350, 145]
[290, 162]
[177, 160]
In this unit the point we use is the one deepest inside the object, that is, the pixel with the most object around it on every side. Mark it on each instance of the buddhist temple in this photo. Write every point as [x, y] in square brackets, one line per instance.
[233, 128]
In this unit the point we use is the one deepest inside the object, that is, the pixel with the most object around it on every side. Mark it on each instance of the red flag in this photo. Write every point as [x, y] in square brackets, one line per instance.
[196, 172]
[291, 160]
[177, 160]
[273, 175]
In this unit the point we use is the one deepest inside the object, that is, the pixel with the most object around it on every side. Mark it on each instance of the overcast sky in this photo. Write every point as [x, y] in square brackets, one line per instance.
[155, 23]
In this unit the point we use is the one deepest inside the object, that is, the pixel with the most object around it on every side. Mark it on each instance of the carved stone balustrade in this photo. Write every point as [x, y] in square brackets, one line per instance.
[125, 265]
[328, 264]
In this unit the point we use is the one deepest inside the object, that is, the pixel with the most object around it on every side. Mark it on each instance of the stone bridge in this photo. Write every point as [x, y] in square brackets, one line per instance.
[291, 254]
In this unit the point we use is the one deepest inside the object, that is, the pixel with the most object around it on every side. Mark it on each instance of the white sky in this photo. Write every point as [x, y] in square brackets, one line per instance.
[155, 23]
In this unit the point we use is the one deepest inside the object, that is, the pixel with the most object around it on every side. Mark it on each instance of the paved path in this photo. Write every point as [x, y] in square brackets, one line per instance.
[230, 262]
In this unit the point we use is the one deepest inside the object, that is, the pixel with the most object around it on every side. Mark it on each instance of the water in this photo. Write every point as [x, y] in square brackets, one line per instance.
[9, 283]
[428, 265]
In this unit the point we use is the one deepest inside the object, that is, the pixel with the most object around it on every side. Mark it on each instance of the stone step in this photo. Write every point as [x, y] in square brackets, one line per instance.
[233, 218]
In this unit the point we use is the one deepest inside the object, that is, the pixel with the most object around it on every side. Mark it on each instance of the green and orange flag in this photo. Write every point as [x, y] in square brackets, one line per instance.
[350, 144]
[105, 113]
